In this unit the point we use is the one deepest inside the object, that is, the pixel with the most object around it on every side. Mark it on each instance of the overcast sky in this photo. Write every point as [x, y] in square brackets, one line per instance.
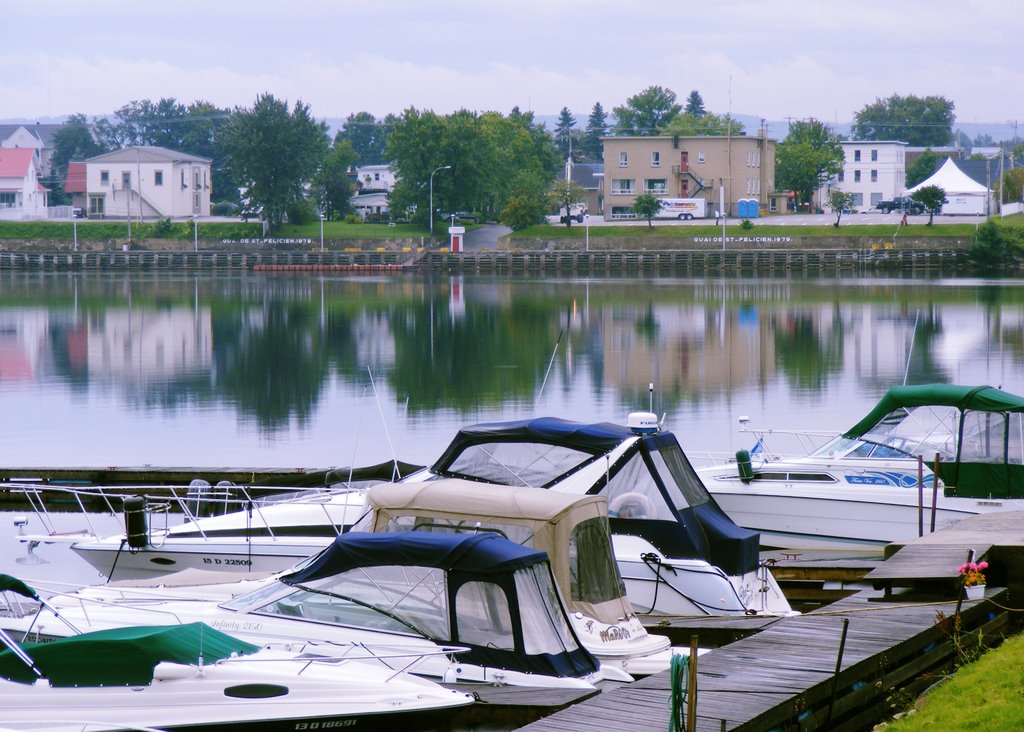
[767, 58]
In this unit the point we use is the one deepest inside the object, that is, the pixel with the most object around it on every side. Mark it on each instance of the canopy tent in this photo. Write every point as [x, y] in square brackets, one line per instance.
[964, 195]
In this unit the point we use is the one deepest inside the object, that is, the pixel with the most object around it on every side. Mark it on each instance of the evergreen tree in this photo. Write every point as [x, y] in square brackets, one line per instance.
[695, 105]
[597, 127]
[564, 132]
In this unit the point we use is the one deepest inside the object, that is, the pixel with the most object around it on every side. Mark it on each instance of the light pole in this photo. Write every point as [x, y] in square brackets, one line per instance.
[431, 213]
[74, 224]
[321, 232]
[195, 233]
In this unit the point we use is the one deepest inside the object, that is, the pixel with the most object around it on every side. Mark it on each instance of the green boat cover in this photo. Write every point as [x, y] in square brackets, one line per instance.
[13, 584]
[120, 656]
[993, 478]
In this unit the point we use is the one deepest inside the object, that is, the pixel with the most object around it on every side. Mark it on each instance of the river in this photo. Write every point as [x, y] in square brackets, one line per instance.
[278, 371]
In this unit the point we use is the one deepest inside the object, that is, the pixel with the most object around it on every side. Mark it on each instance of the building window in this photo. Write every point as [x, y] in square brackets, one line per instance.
[700, 157]
[96, 205]
[623, 186]
[197, 178]
[856, 176]
[623, 160]
[184, 183]
[842, 175]
[874, 156]
[874, 176]
[657, 186]
[126, 180]
[655, 159]
[8, 200]
[158, 177]
[623, 212]
[856, 156]
[104, 177]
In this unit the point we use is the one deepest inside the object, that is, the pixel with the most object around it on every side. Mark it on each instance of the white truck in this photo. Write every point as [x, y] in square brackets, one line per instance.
[683, 209]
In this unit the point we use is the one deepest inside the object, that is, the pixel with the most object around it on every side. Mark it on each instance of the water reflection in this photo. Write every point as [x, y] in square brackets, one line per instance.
[178, 369]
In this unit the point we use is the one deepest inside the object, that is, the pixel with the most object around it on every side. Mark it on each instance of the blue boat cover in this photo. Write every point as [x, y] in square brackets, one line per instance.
[480, 554]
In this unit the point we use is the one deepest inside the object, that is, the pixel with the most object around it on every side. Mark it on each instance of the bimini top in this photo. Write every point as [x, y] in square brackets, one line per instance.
[977, 432]
[484, 554]
[979, 398]
[120, 656]
[571, 529]
[581, 443]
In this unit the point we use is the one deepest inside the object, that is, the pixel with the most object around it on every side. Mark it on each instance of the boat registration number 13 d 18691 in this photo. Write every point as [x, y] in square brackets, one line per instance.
[227, 562]
[327, 724]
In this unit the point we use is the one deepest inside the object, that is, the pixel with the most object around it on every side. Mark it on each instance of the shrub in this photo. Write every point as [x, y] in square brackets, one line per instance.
[746, 224]
[353, 219]
[163, 228]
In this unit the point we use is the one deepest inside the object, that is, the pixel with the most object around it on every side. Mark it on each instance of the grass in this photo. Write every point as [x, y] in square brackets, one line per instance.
[987, 694]
[577, 231]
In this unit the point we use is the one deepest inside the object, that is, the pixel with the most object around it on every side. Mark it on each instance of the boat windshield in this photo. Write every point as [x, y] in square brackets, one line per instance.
[533, 464]
[914, 431]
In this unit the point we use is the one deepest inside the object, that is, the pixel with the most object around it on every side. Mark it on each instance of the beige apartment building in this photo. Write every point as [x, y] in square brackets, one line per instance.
[743, 167]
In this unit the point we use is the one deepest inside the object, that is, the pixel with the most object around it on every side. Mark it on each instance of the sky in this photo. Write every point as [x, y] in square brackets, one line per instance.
[769, 59]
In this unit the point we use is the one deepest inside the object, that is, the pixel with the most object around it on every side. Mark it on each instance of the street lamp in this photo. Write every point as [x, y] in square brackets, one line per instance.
[440, 167]
[321, 232]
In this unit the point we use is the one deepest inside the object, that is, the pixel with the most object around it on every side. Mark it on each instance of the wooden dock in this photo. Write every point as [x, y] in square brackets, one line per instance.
[902, 635]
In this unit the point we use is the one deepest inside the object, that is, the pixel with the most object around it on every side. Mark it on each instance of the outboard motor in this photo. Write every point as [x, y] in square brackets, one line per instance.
[136, 524]
[743, 466]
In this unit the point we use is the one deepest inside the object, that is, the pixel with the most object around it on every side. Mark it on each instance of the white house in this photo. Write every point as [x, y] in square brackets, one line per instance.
[873, 171]
[147, 183]
[22, 196]
[37, 136]
[375, 178]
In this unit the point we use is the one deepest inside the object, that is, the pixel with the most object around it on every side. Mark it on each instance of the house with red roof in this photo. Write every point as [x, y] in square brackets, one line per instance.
[22, 195]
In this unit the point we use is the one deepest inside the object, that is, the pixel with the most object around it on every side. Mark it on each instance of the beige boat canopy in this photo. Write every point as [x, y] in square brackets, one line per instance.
[573, 530]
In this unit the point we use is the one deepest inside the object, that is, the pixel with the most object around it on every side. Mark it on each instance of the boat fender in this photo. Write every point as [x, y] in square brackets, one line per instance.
[136, 529]
[743, 466]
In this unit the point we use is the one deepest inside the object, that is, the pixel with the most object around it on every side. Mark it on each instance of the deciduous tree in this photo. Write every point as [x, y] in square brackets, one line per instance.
[932, 198]
[367, 136]
[922, 167]
[808, 157]
[273, 153]
[688, 125]
[918, 121]
[646, 113]
[74, 141]
[839, 201]
[646, 206]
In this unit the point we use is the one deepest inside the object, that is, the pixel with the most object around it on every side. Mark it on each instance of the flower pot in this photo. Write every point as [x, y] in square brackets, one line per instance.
[975, 592]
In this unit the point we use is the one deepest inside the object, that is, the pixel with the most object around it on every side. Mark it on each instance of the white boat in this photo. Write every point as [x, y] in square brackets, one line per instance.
[454, 608]
[571, 530]
[193, 677]
[677, 550]
[874, 484]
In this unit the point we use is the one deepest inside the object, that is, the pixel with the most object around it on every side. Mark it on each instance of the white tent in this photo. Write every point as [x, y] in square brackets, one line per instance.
[964, 195]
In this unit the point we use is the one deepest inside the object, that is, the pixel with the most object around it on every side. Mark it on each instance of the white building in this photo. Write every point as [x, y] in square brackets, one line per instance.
[375, 178]
[873, 171]
[22, 196]
[147, 183]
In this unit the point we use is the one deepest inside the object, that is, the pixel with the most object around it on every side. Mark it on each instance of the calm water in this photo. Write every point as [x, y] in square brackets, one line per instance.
[246, 370]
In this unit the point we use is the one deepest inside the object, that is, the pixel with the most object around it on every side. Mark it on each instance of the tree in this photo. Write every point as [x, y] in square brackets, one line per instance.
[808, 157]
[695, 105]
[597, 127]
[688, 125]
[331, 184]
[918, 121]
[273, 153]
[647, 206]
[564, 195]
[367, 136]
[646, 113]
[922, 167]
[72, 142]
[839, 201]
[564, 132]
[995, 246]
[1012, 185]
[162, 124]
[527, 203]
[932, 198]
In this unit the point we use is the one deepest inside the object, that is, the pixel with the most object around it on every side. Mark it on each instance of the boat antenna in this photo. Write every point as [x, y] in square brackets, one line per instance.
[548, 371]
[650, 397]
[359, 423]
[913, 333]
[380, 408]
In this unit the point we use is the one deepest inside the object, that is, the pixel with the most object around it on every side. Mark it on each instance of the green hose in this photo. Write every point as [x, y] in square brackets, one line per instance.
[678, 673]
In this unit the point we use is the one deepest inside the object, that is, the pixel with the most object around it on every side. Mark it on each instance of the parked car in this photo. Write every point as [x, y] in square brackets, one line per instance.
[902, 204]
[78, 213]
